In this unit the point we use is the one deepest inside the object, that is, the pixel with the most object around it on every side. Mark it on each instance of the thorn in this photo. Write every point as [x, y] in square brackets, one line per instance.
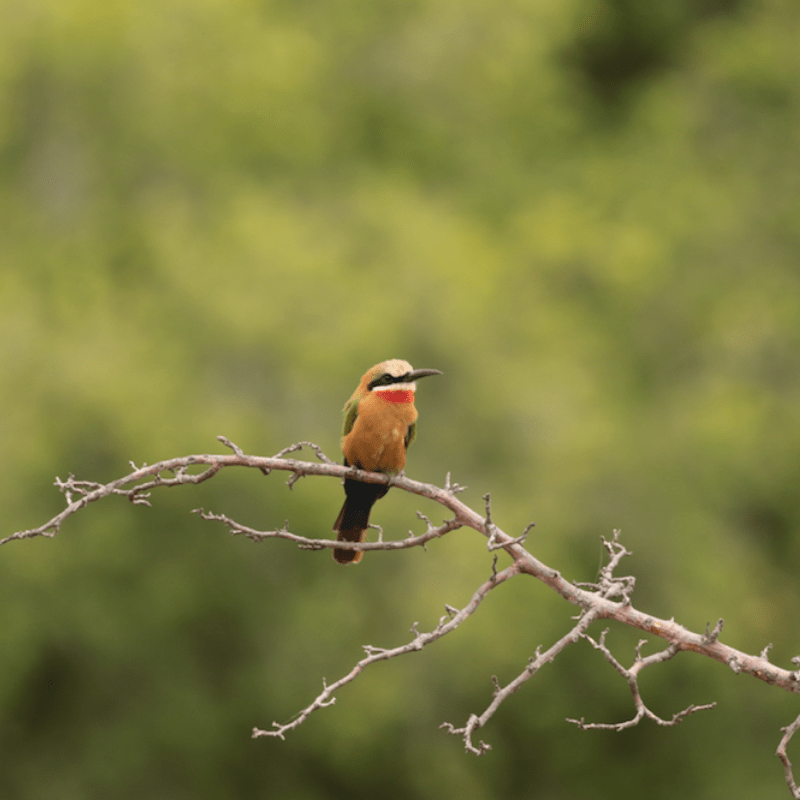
[228, 443]
[712, 636]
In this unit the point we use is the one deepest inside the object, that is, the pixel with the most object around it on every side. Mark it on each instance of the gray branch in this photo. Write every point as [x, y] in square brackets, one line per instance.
[609, 598]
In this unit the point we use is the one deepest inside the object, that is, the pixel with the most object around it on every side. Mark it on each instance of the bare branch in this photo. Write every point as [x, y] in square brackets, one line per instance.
[228, 443]
[447, 623]
[788, 732]
[609, 585]
[489, 527]
[501, 694]
[238, 529]
[632, 677]
[518, 540]
[608, 598]
[599, 598]
[452, 488]
[137, 484]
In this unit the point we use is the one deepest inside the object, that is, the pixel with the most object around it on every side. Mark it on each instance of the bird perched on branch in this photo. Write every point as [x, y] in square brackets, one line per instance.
[379, 424]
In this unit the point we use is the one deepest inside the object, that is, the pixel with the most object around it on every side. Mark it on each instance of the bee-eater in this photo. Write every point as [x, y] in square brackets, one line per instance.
[379, 424]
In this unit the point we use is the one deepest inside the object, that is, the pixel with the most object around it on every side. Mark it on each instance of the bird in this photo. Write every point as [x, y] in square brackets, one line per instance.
[380, 422]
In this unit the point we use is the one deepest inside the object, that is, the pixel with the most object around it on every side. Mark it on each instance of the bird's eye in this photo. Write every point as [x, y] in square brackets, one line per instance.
[383, 380]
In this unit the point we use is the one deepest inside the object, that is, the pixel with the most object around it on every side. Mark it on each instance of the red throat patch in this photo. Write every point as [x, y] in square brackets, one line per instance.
[398, 395]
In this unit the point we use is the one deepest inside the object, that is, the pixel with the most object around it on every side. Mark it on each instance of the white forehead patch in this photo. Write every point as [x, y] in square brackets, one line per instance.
[397, 367]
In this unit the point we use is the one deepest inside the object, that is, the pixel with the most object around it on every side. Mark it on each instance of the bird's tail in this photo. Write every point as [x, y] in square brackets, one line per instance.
[353, 519]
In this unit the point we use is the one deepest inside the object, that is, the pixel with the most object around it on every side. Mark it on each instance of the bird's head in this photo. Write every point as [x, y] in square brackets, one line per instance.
[393, 375]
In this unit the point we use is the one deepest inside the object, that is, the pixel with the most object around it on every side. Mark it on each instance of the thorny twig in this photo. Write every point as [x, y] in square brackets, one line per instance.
[608, 598]
[608, 584]
[632, 677]
[447, 623]
[788, 732]
[535, 663]
[304, 543]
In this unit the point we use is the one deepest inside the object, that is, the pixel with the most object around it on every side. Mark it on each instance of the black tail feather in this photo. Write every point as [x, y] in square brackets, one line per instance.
[353, 519]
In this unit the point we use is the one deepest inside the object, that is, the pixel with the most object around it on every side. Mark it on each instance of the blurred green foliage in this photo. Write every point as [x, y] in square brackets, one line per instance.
[214, 216]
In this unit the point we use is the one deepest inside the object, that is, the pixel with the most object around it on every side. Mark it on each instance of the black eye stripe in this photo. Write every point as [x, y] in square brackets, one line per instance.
[387, 378]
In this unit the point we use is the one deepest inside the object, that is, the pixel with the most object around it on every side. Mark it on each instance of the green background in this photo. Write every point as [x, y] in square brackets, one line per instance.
[216, 215]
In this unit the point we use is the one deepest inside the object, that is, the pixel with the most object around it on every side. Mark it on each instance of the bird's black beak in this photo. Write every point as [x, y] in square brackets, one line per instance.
[421, 373]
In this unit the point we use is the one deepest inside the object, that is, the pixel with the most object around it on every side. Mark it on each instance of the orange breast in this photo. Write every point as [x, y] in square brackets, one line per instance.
[377, 441]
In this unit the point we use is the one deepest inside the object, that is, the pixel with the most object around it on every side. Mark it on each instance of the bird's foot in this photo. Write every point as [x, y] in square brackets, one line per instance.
[393, 476]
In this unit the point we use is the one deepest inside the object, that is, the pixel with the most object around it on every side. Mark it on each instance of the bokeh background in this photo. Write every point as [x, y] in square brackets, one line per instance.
[216, 214]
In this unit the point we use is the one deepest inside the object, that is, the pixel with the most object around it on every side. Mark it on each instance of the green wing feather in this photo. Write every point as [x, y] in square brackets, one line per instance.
[411, 433]
[350, 414]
